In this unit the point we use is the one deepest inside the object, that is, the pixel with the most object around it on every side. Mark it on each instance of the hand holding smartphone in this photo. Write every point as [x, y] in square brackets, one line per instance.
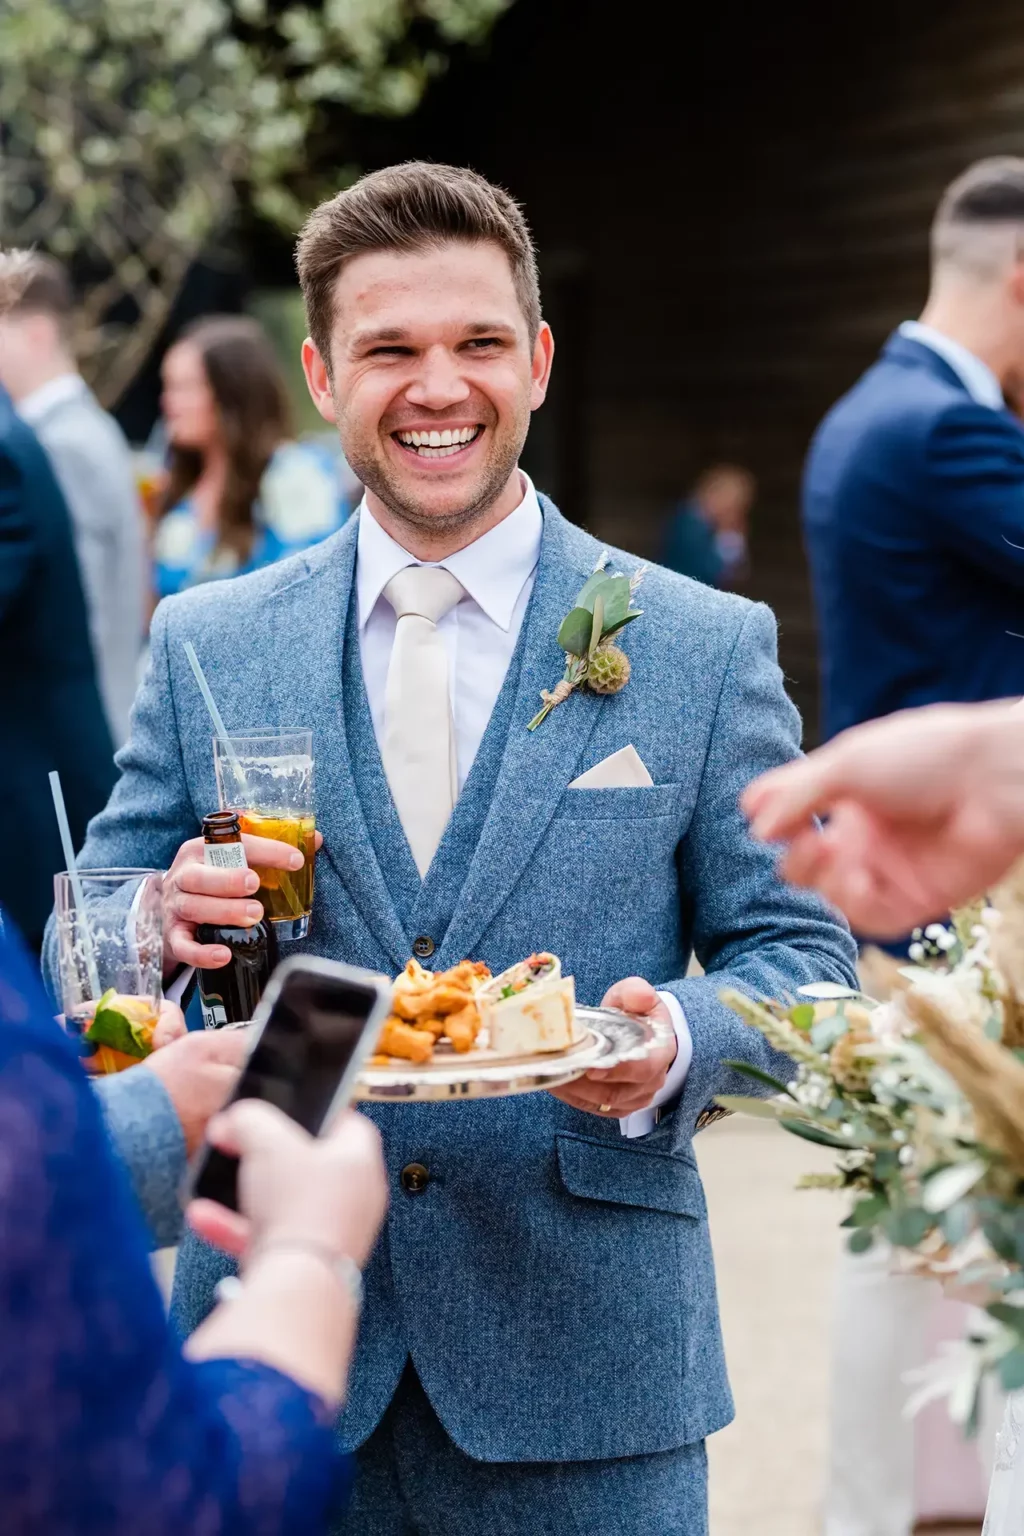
[315, 1025]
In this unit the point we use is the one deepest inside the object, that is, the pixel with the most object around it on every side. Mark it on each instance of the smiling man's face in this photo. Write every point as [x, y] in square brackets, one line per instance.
[433, 379]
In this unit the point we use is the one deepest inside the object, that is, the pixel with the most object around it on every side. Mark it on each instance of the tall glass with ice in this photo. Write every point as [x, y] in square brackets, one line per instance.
[110, 958]
[267, 777]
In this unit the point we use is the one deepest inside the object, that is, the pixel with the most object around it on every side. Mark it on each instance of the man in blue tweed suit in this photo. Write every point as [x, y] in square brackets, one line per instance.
[540, 1349]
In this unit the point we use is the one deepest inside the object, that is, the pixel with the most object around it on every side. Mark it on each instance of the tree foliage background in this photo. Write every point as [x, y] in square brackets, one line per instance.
[134, 130]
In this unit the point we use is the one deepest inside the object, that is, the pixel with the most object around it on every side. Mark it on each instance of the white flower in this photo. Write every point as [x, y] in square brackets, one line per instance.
[934, 931]
[916, 952]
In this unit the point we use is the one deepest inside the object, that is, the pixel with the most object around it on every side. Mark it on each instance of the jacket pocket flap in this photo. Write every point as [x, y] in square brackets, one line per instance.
[625, 1175]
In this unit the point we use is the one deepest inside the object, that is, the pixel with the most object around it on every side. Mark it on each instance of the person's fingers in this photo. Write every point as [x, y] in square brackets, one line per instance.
[222, 1047]
[627, 1072]
[249, 1124]
[271, 852]
[354, 1135]
[208, 880]
[318, 841]
[190, 909]
[170, 1026]
[182, 945]
[216, 1225]
[634, 995]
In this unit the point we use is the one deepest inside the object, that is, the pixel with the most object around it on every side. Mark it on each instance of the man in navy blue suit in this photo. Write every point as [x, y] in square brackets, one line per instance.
[50, 710]
[914, 487]
[914, 522]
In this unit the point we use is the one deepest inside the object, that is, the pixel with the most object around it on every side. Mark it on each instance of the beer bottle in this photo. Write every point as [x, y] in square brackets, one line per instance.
[229, 995]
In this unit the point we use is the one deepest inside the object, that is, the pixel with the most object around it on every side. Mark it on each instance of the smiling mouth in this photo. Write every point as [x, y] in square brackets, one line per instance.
[438, 444]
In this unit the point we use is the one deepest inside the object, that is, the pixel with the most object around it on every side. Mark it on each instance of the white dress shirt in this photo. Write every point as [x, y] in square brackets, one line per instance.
[480, 633]
[976, 377]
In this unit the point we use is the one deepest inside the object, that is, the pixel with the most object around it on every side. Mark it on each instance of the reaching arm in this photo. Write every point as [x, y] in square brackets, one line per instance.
[974, 466]
[106, 1429]
[751, 932]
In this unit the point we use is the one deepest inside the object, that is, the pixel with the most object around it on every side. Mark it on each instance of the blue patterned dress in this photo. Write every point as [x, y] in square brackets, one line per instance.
[105, 1429]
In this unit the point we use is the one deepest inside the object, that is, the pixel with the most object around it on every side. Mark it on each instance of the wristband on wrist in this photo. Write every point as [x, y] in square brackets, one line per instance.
[344, 1269]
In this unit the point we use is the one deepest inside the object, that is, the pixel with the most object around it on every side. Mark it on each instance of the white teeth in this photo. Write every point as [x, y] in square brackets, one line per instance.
[438, 445]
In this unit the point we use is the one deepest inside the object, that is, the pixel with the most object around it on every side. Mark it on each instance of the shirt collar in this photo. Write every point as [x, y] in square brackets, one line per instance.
[34, 406]
[976, 377]
[493, 569]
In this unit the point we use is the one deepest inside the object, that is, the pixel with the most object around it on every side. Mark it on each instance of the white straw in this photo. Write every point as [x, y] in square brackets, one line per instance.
[215, 715]
[76, 883]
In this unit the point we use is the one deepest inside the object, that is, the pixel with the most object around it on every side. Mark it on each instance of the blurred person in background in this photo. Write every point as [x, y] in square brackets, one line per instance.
[706, 537]
[49, 697]
[93, 465]
[110, 1427]
[914, 522]
[240, 494]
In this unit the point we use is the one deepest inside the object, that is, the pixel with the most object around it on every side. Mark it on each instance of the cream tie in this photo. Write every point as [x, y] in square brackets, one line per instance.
[419, 733]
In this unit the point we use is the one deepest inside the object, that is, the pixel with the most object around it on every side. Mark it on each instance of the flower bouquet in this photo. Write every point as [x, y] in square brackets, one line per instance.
[922, 1099]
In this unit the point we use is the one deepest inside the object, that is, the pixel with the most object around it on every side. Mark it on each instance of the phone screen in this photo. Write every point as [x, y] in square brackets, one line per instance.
[297, 1063]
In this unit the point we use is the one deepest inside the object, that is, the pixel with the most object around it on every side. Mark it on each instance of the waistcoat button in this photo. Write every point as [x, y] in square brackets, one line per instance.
[414, 1178]
[423, 947]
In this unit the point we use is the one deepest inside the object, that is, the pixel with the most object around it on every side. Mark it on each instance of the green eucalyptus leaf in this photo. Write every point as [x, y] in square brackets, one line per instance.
[634, 613]
[574, 634]
[1006, 1312]
[761, 1109]
[867, 1212]
[906, 1228]
[597, 626]
[815, 1133]
[615, 596]
[1011, 1370]
[746, 1070]
[826, 1032]
[591, 588]
[860, 1240]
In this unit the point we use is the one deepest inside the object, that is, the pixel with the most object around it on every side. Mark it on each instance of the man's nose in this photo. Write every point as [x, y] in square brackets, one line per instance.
[439, 381]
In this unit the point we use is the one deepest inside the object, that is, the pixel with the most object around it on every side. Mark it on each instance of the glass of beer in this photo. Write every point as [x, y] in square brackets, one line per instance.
[110, 958]
[267, 777]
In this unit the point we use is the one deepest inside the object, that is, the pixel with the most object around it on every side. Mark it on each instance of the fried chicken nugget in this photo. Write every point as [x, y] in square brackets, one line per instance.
[463, 1027]
[400, 1039]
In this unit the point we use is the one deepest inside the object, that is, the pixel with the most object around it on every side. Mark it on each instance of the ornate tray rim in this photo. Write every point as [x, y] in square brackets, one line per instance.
[617, 1037]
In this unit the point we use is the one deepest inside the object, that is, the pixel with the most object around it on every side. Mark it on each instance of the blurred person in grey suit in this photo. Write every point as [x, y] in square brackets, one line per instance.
[92, 462]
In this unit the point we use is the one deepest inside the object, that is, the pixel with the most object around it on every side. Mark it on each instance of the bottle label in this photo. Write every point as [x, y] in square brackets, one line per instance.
[214, 1013]
[224, 855]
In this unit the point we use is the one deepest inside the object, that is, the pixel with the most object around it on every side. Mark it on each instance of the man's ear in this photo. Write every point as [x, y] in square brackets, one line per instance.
[318, 381]
[543, 357]
[1016, 281]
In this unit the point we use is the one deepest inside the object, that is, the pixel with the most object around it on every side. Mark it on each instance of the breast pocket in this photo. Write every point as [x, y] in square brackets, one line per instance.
[627, 804]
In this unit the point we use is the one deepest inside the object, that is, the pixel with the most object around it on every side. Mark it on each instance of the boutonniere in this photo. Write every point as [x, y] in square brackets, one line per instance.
[603, 608]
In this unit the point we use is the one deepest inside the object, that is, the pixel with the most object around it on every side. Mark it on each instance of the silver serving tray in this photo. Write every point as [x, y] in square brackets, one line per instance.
[610, 1037]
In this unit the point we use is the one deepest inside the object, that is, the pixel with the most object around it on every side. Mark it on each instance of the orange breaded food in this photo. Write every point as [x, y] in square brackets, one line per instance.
[400, 1039]
[427, 1006]
[463, 1027]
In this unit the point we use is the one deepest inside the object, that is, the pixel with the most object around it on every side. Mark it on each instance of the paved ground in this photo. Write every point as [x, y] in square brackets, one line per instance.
[775, 1249]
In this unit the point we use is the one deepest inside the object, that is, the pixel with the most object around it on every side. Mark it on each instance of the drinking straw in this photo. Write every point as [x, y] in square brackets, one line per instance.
[76, 883]
[215, 716]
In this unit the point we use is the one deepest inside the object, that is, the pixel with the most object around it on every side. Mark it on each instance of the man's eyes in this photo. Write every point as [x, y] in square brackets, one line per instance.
[477, 344]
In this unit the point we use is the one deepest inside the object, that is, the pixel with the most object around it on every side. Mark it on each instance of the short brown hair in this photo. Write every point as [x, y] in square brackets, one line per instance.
[979, 222]
[409, 208]
[45, 290]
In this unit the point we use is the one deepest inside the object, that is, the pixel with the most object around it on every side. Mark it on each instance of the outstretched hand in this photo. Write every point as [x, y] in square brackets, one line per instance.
[925, 810]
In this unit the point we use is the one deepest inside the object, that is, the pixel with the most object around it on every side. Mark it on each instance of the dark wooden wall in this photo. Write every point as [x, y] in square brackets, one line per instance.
[731, 203]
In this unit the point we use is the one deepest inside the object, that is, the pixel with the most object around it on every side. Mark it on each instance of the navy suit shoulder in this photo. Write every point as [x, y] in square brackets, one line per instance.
[47, 674]
[913, 511]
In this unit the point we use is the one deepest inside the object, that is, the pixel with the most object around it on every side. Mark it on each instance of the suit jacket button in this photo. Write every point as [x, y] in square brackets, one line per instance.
[414, 1178]
[423, 947]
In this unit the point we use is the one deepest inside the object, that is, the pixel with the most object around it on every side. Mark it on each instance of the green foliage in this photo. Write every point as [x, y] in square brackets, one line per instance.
[132, 130]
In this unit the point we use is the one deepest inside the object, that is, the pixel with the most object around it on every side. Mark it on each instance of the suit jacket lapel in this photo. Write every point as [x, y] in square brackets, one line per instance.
[311, 627]
[537, 765]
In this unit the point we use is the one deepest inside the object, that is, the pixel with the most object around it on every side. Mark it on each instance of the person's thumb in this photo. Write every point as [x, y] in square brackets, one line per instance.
[250, 1124]
[634, 995]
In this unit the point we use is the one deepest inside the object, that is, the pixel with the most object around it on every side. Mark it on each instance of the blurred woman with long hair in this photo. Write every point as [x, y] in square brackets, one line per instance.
[240, 494]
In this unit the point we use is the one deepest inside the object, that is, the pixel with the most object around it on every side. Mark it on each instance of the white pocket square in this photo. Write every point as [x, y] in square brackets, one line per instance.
[622, 770]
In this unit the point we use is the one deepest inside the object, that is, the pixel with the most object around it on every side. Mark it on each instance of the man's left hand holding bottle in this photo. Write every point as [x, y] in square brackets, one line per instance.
[196, 893]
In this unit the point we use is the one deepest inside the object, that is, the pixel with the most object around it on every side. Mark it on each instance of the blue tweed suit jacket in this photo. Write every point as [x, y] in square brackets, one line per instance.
[554, 1282]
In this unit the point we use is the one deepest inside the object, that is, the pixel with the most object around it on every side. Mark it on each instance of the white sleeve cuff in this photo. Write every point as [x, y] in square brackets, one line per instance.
[642, 1120]
[175, 990]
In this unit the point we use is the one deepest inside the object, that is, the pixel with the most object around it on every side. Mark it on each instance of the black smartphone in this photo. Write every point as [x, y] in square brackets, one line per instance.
[315, 1025]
